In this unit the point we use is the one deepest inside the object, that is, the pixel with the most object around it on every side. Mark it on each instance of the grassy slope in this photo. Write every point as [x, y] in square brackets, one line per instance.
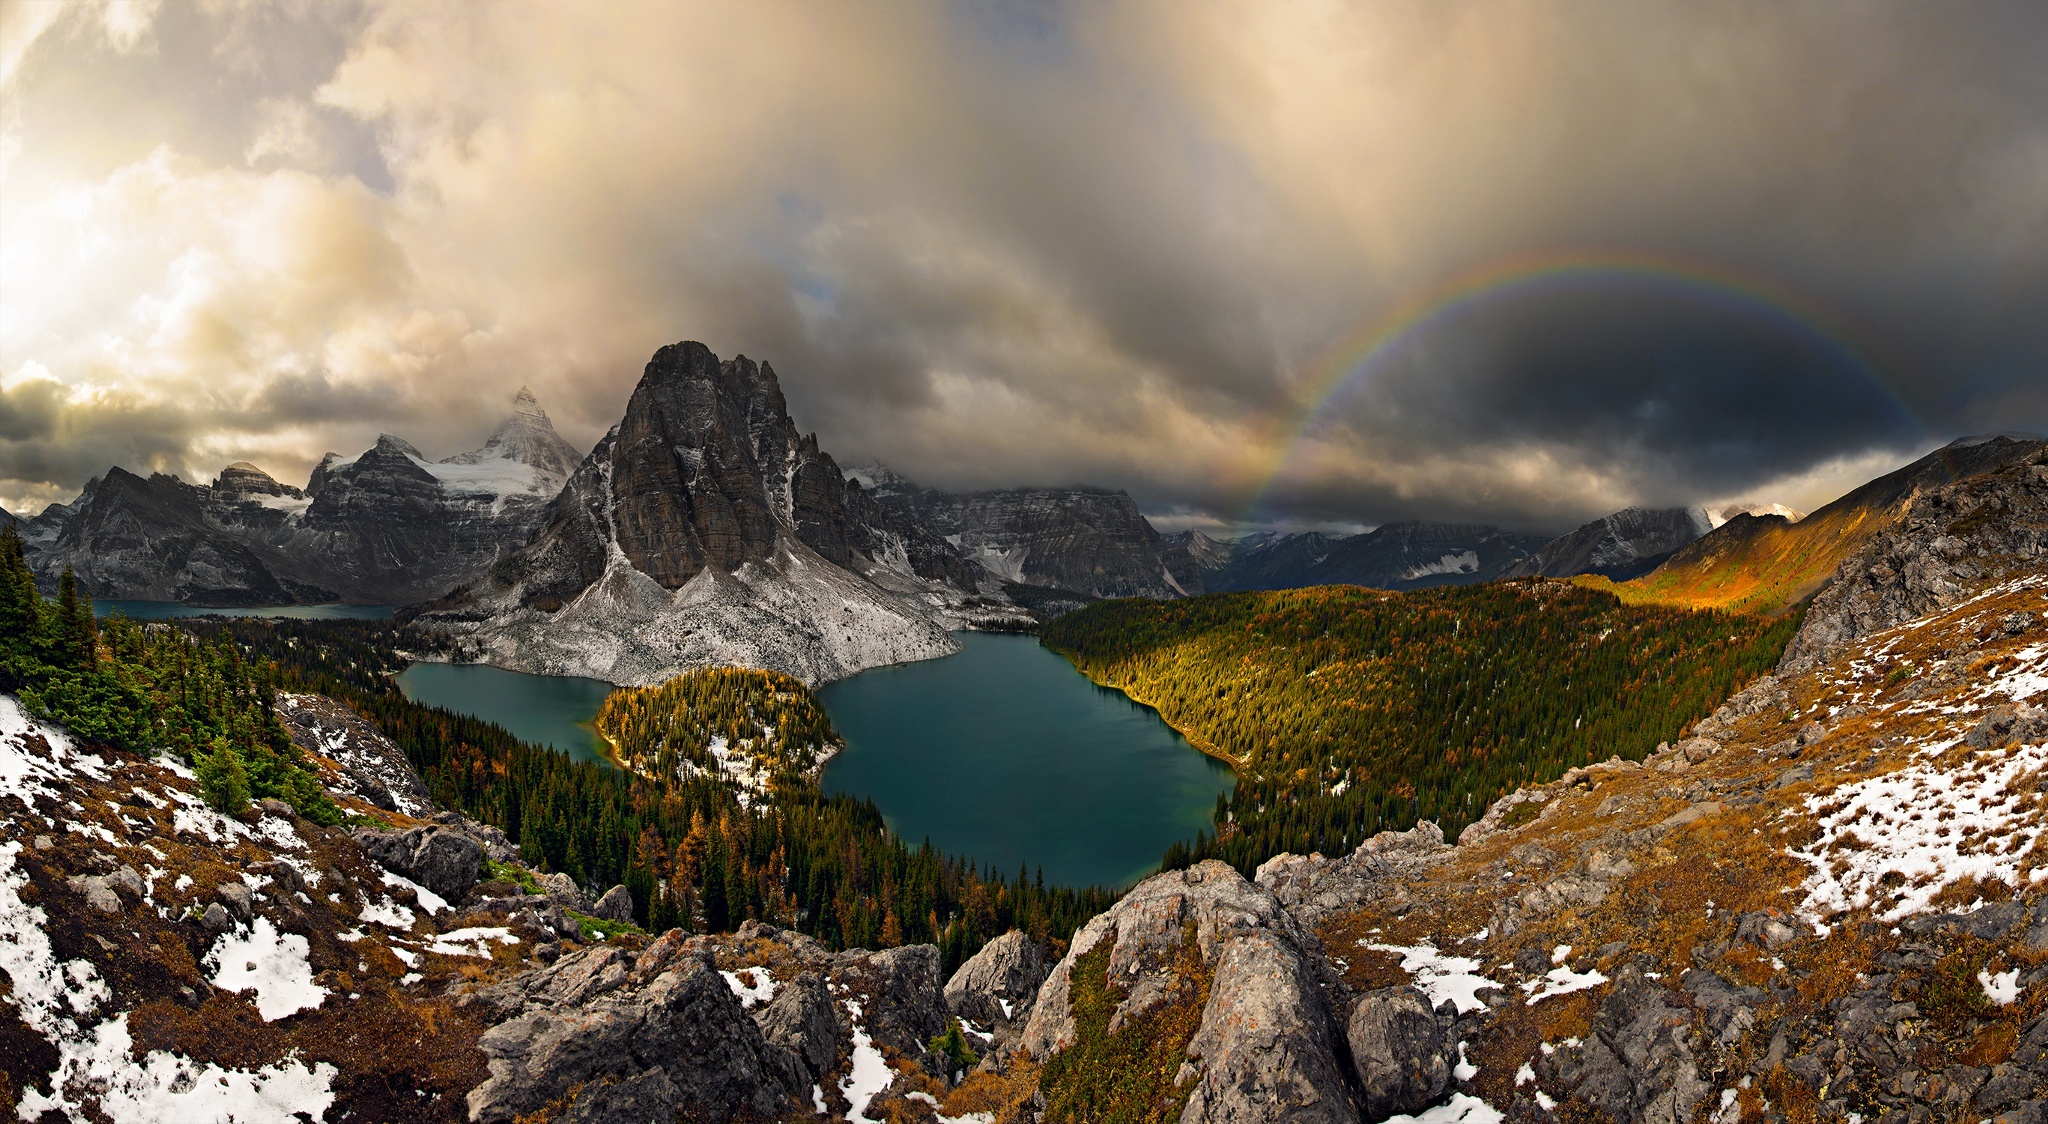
[1768, 565]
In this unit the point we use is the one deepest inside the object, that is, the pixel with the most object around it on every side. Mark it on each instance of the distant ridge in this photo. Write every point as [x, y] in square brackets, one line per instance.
[1768, 564]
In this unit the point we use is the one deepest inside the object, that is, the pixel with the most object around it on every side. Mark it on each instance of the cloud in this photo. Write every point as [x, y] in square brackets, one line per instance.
[994, 244]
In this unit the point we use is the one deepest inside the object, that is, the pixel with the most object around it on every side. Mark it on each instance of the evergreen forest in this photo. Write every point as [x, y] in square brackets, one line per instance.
[1349, 711]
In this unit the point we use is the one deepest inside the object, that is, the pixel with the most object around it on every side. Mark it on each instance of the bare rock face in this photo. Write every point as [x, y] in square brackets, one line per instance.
[1951, 542]
[1402, 1051]
[996, 986]
[615, 905]
[1312, 887]
[639, 1039]
[1638, 1064]
[443, 860]
[1268, 1043]
[1091, 541]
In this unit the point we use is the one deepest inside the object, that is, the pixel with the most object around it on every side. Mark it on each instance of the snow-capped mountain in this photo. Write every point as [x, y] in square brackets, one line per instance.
[1091, 541]
[1717, 514]
[387, 526]
[1632, 541]
[704, 528]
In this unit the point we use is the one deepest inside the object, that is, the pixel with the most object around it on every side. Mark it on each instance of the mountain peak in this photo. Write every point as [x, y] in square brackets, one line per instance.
[527, 437]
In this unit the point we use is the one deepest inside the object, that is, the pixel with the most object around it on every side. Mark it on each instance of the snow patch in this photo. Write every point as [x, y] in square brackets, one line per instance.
[1442, 977]
[759, 989]
[870, 1073]
[271, 964]
[1462, 1108]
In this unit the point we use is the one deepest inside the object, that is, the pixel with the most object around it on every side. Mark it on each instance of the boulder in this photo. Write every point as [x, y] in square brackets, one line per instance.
[563, 891]
[1267, 1045]
[1402, 1051]
[800, 1019]
[615, 905]
[1638, 1063]
[439, 858]
[684, 1022]
[997, 985]
[1313, 887]
[645, 1096]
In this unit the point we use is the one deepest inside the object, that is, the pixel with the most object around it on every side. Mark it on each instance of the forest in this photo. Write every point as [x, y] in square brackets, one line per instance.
[149, 690]
[741, 722]
[1349, 711]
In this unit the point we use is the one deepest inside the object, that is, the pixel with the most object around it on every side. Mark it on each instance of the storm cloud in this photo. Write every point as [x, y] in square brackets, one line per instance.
[1011, 243]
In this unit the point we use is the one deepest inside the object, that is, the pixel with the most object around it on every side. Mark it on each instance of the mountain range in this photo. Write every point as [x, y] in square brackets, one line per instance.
[705, 528]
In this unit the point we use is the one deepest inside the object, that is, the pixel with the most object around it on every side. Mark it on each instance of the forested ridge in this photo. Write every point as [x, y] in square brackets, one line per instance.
[691, 854]
[150, 689]
[767, 723]
[1349, 711]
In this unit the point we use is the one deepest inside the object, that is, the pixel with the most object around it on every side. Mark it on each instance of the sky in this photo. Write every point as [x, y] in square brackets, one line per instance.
[1276, 264]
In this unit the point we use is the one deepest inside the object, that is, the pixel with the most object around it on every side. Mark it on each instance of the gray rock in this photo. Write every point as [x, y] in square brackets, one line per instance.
[216, 920]
[1313, 887]
[906, 1006]
[639, 1099]
[1798, 774]
[801, 1019]
[615, 905]
[563, 891]
[1267, 1045]
[2006, 1087]
[127, 880]
[1638, 1063]
[96, 892]
[1401, 1051]
[2016, 622]
[997, 985]
[236, 897]
[684, 1021]
[498, 847]
[1768, 929]
[1698, 749]
[441, 859]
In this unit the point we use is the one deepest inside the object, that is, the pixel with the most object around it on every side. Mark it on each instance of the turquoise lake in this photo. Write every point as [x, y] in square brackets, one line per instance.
[543, 709]
[1002, 753]
[1008, 755]
[172, 610]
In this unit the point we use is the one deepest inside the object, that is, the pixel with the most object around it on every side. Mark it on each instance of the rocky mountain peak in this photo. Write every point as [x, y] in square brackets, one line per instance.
[527, 437]
[244, 479]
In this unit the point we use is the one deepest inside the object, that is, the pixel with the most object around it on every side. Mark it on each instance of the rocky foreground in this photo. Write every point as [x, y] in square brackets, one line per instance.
[1826, 903]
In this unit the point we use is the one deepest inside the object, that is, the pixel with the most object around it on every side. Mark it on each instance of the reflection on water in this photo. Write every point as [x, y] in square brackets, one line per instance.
[1006, 754]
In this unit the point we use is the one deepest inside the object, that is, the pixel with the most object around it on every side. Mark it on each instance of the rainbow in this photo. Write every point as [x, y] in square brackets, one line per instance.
[1357, 355]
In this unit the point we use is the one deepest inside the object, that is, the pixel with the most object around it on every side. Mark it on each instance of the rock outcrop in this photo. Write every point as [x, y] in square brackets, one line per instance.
[441, 859]
[1268, 1046]
[1950, 542]
[997, 986]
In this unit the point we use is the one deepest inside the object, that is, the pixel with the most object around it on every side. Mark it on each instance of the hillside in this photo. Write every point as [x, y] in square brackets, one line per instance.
[1349, 711]
[1766, 564]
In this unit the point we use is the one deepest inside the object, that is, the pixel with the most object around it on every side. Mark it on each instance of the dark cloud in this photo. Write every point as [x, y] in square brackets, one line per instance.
[996, 243]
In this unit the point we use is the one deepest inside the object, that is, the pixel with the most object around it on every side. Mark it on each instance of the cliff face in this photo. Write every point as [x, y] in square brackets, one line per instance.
[704, 529]
[386, 527]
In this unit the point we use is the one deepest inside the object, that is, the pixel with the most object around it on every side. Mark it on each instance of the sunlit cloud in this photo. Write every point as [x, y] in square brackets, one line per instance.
[990, 245]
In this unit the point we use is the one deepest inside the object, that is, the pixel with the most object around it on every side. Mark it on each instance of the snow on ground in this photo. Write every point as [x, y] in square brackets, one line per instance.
[471, 942]
[757, 989]
[870, 1073]
[2001, 988]
[1442, 977]
[429, 900]
[1561, 981]
[272, 964]
[1932, 825]
[58, 1000]
[1460, 1109]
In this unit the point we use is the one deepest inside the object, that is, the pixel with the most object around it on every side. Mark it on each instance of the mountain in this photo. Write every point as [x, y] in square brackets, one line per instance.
[1414, 555]
[705, 529]
[1718, 514]
[387, 526]
[1770, 563]
[1090, 541]
[1631, 541]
